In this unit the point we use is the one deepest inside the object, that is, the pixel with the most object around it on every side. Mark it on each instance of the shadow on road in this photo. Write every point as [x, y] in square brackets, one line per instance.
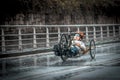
[71, 63]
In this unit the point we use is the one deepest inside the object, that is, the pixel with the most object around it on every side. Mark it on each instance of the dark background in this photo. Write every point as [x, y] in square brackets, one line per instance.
[85, 8]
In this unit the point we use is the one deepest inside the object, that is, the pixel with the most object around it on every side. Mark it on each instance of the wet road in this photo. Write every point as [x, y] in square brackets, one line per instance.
[105, 67]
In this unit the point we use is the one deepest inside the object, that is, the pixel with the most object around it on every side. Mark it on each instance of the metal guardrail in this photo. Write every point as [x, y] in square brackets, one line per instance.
[20, 38]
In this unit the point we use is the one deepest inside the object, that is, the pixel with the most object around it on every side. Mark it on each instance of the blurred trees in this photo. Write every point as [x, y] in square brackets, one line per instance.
[64, 7]
[58, 5]
[68, 5]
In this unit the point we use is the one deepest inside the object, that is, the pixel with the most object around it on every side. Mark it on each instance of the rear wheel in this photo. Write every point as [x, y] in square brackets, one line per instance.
[63, 47]
[92, 49]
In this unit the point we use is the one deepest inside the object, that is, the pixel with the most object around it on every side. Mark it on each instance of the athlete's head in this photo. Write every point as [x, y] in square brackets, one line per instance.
[79, 35]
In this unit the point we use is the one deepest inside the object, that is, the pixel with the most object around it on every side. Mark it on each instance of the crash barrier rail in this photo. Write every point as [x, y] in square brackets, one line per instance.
[22, 38]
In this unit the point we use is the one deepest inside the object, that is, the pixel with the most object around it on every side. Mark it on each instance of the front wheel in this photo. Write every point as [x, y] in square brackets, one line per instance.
[63, 47]
[92, 49]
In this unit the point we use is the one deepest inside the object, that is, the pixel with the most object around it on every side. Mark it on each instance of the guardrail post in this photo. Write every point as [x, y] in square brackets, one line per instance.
[3, 41]
[47, 37]
[34, 38]
[87, 34]
[58, 34]
[78, 29]
[20, 39]
[68, 29]
[94, 30]
[108, 34]
[101, 32]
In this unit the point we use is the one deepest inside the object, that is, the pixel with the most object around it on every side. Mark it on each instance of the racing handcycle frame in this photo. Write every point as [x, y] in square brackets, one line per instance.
[62, 49]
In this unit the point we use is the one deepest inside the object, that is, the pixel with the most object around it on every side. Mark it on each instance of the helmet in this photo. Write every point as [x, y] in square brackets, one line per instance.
[81, 34]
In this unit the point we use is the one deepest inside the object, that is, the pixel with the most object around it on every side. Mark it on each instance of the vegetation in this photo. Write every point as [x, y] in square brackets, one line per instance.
[67, 7]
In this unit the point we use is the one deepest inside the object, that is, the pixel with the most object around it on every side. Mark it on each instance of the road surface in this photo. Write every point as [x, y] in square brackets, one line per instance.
[106, 66]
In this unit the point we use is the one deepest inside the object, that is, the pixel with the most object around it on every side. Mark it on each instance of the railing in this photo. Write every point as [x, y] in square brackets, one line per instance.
[20, 38]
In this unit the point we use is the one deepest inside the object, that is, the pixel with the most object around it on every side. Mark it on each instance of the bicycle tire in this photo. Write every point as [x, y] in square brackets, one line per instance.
[63, 46]
[92, 49]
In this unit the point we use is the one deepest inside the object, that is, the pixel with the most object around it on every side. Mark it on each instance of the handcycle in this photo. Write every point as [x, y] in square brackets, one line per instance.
[62, 49]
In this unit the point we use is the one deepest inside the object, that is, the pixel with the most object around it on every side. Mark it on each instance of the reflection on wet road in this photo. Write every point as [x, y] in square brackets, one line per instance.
[106, 66]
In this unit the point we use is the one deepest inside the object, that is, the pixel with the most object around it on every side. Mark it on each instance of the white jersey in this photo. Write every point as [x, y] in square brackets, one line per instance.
[79, 42]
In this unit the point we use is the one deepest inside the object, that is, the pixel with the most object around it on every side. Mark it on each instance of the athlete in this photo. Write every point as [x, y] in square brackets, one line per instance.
[78, 45]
